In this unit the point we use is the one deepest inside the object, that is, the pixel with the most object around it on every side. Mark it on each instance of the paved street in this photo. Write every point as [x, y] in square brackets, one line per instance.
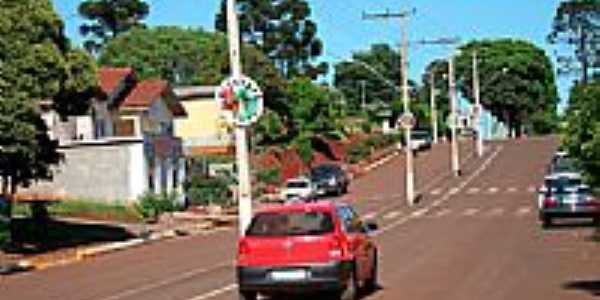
[476, 237]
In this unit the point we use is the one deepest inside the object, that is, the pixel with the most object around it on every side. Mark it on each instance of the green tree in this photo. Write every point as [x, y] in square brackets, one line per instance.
[189, 56]
[377, 70]
[36, 64]
[315, 111]
[582, 134]
[281, 29]
[577, 25]
[517, 80]
[109, 18]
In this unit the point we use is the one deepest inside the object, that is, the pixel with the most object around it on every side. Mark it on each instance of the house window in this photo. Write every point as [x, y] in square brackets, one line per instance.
[125, 128]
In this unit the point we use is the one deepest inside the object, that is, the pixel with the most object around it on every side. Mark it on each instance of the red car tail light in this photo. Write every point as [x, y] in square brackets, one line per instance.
[550, 202]
[336, 248]
[243, 248]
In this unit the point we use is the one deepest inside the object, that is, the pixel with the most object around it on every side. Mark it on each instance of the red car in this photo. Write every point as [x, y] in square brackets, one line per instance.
[307, 248]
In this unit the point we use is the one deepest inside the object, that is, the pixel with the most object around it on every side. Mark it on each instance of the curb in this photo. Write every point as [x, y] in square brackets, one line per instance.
[26, 265]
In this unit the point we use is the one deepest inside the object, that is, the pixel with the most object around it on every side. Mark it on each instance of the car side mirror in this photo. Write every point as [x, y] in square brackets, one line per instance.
[372, 226]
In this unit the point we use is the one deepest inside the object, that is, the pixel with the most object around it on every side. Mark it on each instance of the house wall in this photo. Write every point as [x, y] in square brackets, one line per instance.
[203, 119]
[98, 170]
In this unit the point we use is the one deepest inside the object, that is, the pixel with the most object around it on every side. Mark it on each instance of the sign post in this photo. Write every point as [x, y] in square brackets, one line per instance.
[241, 102]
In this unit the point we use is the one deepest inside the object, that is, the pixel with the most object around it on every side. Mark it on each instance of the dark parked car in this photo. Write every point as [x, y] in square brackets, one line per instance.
[567, 197]
[330, 179]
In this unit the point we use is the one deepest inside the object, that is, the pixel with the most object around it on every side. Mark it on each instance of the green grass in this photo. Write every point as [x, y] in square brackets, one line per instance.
[86, 209]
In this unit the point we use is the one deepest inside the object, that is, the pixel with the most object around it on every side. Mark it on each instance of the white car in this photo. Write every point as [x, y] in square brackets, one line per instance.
[301, 188]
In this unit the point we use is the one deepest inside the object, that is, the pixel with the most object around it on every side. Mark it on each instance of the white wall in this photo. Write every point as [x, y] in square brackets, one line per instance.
[138, 174]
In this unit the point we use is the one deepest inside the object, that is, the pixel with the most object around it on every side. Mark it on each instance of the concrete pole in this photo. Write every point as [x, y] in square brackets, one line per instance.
[410, 173]
[434, 119]
[363, 93]
[453, 118]
[241, 138]
[478, 108]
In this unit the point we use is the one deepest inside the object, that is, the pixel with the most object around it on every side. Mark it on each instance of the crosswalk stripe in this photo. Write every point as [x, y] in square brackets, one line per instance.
[523, 211]
[436, 192]
[495, 212]
[392, 215]
[512, 189]
[531, 189]
[454, 191]
[473, 190]
[493, 190]
[470, 212]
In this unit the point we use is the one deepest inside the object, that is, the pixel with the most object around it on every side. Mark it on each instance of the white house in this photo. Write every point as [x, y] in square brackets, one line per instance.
[123, 147]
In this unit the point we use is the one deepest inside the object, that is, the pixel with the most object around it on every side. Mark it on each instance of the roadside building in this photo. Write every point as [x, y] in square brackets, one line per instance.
[203, 131]
[123, 147]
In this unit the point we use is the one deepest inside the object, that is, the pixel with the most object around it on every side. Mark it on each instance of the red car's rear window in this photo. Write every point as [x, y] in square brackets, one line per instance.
[291, 223]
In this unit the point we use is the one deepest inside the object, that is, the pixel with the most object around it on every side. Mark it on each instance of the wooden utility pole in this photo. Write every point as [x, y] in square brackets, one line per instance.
[407, 119]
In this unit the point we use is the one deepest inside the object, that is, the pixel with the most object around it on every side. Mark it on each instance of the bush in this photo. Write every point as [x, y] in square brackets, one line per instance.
[269, 176]
[358, 152]
[206, 190]
[151, 205]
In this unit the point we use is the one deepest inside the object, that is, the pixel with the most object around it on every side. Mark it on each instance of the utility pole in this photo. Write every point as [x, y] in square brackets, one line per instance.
[453, 118]
[433, 106]
[241, 133]
[477, 109]
[407, 119]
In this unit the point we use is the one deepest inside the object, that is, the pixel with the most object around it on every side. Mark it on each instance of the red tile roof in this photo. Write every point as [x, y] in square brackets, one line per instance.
[110, 78]
[147, 91]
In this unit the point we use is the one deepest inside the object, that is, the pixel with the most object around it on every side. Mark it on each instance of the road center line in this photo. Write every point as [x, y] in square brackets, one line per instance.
[169, 281]
[445, 198]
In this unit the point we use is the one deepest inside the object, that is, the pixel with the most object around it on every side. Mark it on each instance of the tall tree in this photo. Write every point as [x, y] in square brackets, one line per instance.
[36, 63]
[189, 56]
[577, 24]
[282, 29]
[374, 74]
[439, 69]
[517, 80]
[109, 18]
[582, 134]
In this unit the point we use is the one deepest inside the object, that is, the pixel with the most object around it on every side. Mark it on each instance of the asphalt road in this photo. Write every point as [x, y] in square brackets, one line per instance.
[473, 237]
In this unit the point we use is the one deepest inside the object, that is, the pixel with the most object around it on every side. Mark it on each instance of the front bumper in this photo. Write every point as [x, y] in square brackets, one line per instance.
[319, 278]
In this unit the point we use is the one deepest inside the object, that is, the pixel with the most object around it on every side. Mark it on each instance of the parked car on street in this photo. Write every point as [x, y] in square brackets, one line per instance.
[420, 140]
[300, 188]
[330, 179]
[565, 196]
[317, 247]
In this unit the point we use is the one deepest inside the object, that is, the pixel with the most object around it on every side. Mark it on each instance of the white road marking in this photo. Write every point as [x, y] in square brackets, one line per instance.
[470, 212]
[436, 203]
[495, 212]
[216, 292]
[159, 284]
[512, 189]
[523, 211]
[445, 198]
[454, 191]
[370, 215]
[392, 215]
[492, 190]
[473, 190]
[421, 212]
[531, 189]
[436, 192]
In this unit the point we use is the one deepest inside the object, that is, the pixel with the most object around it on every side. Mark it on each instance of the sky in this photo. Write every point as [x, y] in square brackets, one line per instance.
[343, 31]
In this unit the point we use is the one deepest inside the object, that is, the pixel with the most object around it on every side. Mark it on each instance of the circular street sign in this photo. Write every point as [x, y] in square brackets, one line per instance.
[407, 120]
[241, 101]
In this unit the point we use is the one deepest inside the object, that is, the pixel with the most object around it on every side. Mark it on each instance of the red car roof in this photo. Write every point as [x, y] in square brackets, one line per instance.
[326, 205]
